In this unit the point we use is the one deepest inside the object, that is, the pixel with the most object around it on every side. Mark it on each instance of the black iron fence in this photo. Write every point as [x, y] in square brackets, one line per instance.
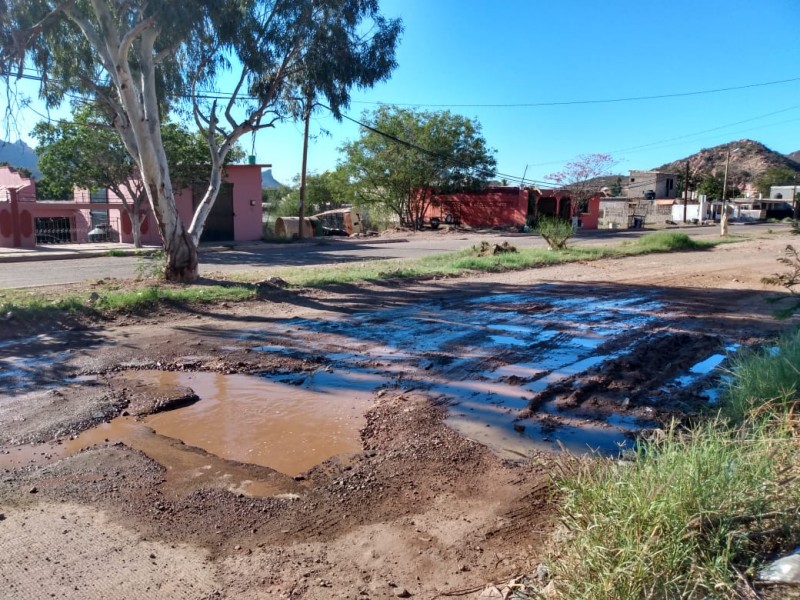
[69, 230]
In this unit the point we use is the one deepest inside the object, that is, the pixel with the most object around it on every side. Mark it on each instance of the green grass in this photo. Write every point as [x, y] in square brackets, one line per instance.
[766, 382]
[693, 514]
[680, 520]
[668, 241]
[454, 264]
[28, 307]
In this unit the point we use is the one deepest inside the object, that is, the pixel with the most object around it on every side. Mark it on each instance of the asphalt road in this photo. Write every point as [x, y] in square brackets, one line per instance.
[328, 251]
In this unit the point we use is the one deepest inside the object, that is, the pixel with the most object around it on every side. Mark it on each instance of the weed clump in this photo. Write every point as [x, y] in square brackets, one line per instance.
[694, 513]
[556, 232]
[668, 241]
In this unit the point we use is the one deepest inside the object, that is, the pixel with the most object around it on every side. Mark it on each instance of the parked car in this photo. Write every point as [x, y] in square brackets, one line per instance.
[103, 233]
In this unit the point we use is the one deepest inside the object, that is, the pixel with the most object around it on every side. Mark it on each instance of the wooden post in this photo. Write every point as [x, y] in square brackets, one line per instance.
[303, 168]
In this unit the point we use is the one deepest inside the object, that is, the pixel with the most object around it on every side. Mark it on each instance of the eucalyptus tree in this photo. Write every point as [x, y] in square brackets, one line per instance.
[139, 59]
[87, 152]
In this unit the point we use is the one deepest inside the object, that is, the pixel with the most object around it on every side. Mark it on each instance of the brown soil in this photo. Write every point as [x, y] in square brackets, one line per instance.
[420, 509]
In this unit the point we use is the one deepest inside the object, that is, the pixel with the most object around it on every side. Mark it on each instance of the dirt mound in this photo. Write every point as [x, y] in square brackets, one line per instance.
[489, 249]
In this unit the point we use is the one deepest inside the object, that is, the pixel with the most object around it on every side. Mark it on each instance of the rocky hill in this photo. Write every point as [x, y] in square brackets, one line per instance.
[268, 182]
[749, 159]
[795, 156]
[19, 155]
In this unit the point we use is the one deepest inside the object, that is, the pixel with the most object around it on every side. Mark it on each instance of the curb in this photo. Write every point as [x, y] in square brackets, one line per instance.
[71, 255]
[37, 255]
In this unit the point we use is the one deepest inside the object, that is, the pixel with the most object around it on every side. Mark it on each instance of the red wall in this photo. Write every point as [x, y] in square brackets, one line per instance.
[492, 207]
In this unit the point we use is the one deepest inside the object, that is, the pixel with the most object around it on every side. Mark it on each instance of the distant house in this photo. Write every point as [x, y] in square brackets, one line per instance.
[501, 206]
[652, 184]
[26, 221]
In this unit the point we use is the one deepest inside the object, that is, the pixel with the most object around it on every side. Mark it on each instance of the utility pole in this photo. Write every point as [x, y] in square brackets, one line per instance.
[307, 118]
[686, 191]
[723, 222]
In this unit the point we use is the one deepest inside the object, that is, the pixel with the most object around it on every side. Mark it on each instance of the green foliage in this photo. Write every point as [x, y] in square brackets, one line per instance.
[616, 187]
[696, 510]
[273, 196]
[775, 176]
[682, 519]
[766, 382]
[150, 265]
[88, 153]
[670, 241]
[85, 153]
[324, 191]
[556, 232]
[137, 60]
[416, 153]
[711, 186]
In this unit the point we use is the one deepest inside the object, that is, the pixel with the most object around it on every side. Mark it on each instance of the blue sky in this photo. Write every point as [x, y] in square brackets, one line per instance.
[522, 51]
[479, 52]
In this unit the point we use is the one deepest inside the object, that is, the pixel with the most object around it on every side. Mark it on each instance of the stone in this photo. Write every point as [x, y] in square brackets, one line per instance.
[33, 490]
[783, 570]
[549, 591]
[402, 593]
[542, 573]
[490, 592]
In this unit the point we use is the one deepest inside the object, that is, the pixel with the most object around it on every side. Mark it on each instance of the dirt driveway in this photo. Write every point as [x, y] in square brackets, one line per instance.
[377, 441]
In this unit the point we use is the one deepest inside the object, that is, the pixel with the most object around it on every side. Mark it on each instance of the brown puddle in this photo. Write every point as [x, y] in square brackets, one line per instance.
[240, 424]
[253, 420]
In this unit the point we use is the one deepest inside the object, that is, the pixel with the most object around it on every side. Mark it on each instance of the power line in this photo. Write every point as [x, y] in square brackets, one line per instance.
[588, 101]
[432, 153]
[211, 95]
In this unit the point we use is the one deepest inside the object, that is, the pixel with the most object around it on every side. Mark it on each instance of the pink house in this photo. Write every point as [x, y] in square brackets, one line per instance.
[26, 221]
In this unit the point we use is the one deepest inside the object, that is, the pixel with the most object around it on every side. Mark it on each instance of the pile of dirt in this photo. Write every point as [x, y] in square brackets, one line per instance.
[489, 249]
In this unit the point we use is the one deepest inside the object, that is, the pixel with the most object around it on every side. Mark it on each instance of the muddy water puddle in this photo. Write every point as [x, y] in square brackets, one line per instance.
[489, 358]
[240, 423]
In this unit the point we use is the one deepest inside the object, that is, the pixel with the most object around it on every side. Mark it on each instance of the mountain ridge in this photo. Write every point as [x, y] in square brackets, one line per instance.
[748, 161]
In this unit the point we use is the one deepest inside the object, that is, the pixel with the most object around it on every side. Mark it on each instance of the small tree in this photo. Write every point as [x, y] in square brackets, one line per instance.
[403, 156]
[580, 178]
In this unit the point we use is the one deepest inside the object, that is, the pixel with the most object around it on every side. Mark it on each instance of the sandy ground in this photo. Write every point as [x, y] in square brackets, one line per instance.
[418, 510]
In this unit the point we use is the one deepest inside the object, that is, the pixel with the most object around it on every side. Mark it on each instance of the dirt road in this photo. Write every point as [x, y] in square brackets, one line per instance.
[377, 441]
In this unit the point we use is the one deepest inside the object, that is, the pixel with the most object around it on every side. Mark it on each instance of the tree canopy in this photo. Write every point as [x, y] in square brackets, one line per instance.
[403, 155]
[579, 177]
[139, 59]
[775, 176]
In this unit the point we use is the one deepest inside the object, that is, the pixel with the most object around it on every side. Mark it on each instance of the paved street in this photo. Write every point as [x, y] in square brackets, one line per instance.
[329, 251]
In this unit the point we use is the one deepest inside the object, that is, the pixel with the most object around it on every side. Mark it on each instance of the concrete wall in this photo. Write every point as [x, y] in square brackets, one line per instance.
[663, 184]
[17, 199]
[246, 180]
[785, 191]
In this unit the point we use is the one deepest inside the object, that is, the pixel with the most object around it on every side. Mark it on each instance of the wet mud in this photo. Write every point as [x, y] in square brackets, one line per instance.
[424, 421]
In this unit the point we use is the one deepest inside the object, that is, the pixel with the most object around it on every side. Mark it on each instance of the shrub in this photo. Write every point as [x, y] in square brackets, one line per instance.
[556, 232]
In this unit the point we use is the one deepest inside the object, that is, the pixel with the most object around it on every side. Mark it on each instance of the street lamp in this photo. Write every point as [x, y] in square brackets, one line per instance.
[723, 222]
